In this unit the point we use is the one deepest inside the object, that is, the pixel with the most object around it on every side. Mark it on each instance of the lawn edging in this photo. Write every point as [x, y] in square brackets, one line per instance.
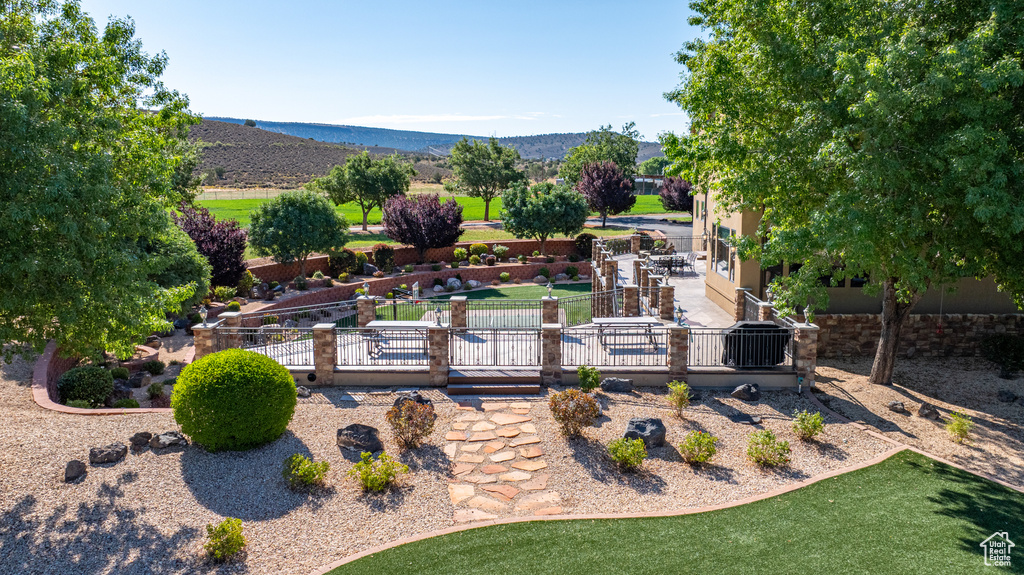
[588, 516]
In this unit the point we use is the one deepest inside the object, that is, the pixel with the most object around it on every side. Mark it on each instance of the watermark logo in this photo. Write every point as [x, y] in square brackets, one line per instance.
[997, 549]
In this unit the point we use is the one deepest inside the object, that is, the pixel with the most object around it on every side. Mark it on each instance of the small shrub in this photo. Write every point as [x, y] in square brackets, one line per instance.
[328, 282]
[478, 249]
[90, 384]
[270, 319]
[341, 261]
[435, 267]
[474, 260]
[225, 540]
[455, 265]
[155, 367]
[765, 450]
[409, 268]
[449, 288]
[959, 426]
[659, 244]
[807, 425]
[679, 396]
[459, 254]
[575, 278]
[361, 261]
[273, 285]
[246, 284]
[585, 245]
[495, 283]
[467, 287]
[404, 286]
[223, 293]
[590, 378]
[490, 260]
[174, 362]
[628, 453]
[500, 251]
[318, 275]
[155, 390]
[574, 258]
[195, 318]
[79, 403]
[120, 373]
[300, 283]
[377, 475]
[517, 281]
[126, 403]
[378, 274]
[390, 295]
[521, 258]
[412, 422]
[234, 306]
[504, 276]
[550, 259]
[360, 291]
[438, 282]
[384, 257]
[536, 253]
[572, 271]
[207, 302]
[698, 447]
[573, 410]
[545, 272]
[343, 278]
[300, 471]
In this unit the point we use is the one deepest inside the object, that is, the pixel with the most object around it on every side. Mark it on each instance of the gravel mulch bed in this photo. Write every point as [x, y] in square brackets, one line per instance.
[969, 384]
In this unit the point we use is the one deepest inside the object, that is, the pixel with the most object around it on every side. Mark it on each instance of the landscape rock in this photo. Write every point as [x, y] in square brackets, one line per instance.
[561, 277]
[167, 439]
[584, 278]
[438, 289]
[928, 411]
[302, 391]
[617, 385]
[369, 269]
[140, 439]
[290, 324]
[896, 406]
[464, 264]
[747, 392]
[122, 390]
[140, 379]
[154, 342]
[1006, 396]
[404, 396]
[108, 454]
[181, 323]
[540, 280]
[359, 438]
[454, 282]
[650, 429]
[74, 470]
[474, 284]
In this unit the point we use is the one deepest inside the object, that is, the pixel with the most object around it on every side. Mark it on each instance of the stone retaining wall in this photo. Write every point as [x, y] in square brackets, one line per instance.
[852, 335]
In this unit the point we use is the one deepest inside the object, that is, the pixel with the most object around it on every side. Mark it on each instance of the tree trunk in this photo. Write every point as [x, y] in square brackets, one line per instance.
[302, 266]
[365, 213]
[894, 315]
[604, 219]
[543, 246]
[487, 210]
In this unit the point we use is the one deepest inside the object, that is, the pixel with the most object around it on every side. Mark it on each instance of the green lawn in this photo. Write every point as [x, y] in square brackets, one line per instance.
[534, 292]
[908, 514]
[473, 209]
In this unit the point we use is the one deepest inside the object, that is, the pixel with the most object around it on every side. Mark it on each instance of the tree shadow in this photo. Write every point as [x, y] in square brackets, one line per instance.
[99, 536]
[714, 472]
[592, 455]
[426, 457]
[244, 484]
[387, 500]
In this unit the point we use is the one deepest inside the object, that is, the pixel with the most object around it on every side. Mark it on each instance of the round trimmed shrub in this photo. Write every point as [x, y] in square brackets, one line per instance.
[234, 400]
[91, 384]
[584, 245]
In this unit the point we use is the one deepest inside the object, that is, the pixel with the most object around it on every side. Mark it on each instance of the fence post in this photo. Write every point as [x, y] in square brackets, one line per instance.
[551, 354]
[805, 352]
[458, 307]
[204, 343]
[764, 311]
[666, 311]
[741, 303]
[654, 290]
[678, 352]
[325, 353]
[645, 273]
[634, 243]
[366, 309]
[631, 301]
[437, 348]
[595, 253]
[232, 320]
[549, 309]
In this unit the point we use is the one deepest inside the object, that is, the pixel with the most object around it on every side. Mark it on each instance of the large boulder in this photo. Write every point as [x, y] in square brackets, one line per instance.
[359, 438]
[122, 390]
[438, 289]
[540, 280]
[928, 411]
[140, 439]
[153, 341]
[181, 323]
[404, 396]
[454, 282]
[617, 385]
[140, 379]
[561, 277]
[896, 406]
[747, 392]
[474, 284]
[650, 429]
[369, 269]
[167, 439]
[302, 391]
[108, 453]
[74, 470]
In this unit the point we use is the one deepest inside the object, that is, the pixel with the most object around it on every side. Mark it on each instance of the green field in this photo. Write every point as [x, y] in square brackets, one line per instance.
[534, 292]
[472, 209]
[908, 514]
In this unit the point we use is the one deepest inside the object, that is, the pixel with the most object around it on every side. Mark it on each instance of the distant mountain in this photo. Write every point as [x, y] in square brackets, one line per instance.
[546, 146]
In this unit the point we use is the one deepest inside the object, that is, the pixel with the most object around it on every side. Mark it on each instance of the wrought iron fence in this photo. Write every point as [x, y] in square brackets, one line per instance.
[783, 321]
[614, 347]
[380, 347]
[751, 306]
[575, 310]
[503, 313]
[715, 347]
[287, 346]
[341, 314]
[682, 244]
[649, 300]
[646, 243]
[412, 310]
[497, 347]
[618, 246]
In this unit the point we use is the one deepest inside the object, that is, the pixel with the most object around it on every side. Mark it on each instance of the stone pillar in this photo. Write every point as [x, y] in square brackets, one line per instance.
[634, 243]
[458, 304]
[231, 320]
[764, 311]
[631, 301]
[741, 300]
[654, 290]
[366, 309]
[437, 348]
[551, 354]
[325, 353]
[666, 311]
[805, 352]
[678, 355]
[204, 340]
[645, 281]
[595, 253]
[549, 309]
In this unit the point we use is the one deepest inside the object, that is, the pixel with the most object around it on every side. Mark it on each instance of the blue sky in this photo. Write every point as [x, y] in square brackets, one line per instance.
[480, 68]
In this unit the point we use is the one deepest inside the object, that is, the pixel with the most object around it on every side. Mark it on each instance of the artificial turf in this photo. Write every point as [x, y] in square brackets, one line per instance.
[907, 514]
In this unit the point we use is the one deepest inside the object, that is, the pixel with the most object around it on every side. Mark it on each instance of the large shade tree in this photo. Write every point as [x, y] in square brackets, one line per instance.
[423, 222]
[294, 225]
[880, 139]
[543, 210]
[606, 189]
[91, 150]
[603, 145]
[365, 180]
[484, 170]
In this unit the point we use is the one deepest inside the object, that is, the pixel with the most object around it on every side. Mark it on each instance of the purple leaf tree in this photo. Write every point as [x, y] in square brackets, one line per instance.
[675, 195]
[607, 189]
[423, 222]
[221, 243]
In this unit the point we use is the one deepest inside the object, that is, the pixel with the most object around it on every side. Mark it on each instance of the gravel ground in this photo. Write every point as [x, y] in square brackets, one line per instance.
[997, 442]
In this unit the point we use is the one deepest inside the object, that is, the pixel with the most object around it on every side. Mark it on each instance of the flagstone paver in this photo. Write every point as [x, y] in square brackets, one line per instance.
[507, 492]
[459, 492]
[515, 476]
[520, 411]
[531, 452]
[482, 436]
[519, 405]
[451, 450]
[460, 425]
[539, 500]
[467, 515]
[493, 406]
[494, 446]
[455, 436]
[538, 483]
[549, 511]
[529, 439]
[462, 468]
[471, 447]
[483, 426]
[503, 456]
[487, 504]
[470, 458]
[528, 428]
[481, 478]
[509, 419]
[508, 432]
[493, 468]
[534, 465]
[473, 416]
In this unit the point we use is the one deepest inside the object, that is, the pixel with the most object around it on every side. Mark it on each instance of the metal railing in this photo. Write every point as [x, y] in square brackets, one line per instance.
[751, 306]
[646, 243]
[618, 246]
[614, 347]
[497, 347]
[715, 347]
[682, 244]
[412, 310]
[341, 314]
[287, 346]
[648, 296]
[370, 347]
[575, 310]
[783, 321]
[503, 313]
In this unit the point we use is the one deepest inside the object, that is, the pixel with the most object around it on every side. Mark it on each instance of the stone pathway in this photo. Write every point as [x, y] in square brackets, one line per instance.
[499, 469]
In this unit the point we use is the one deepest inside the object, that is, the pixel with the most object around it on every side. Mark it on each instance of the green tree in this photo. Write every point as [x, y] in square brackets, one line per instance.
[91, 140]
[484, 170]
[654, 166]
[603, 145]
[294, 225]
[542, 211]
[365, 180]
[878, 139]
[177, 262]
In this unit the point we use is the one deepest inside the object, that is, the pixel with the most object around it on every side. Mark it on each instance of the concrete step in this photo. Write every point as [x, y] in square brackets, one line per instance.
[493, 388]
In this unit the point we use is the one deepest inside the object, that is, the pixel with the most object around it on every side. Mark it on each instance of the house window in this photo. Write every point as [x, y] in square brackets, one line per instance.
[723, 260]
